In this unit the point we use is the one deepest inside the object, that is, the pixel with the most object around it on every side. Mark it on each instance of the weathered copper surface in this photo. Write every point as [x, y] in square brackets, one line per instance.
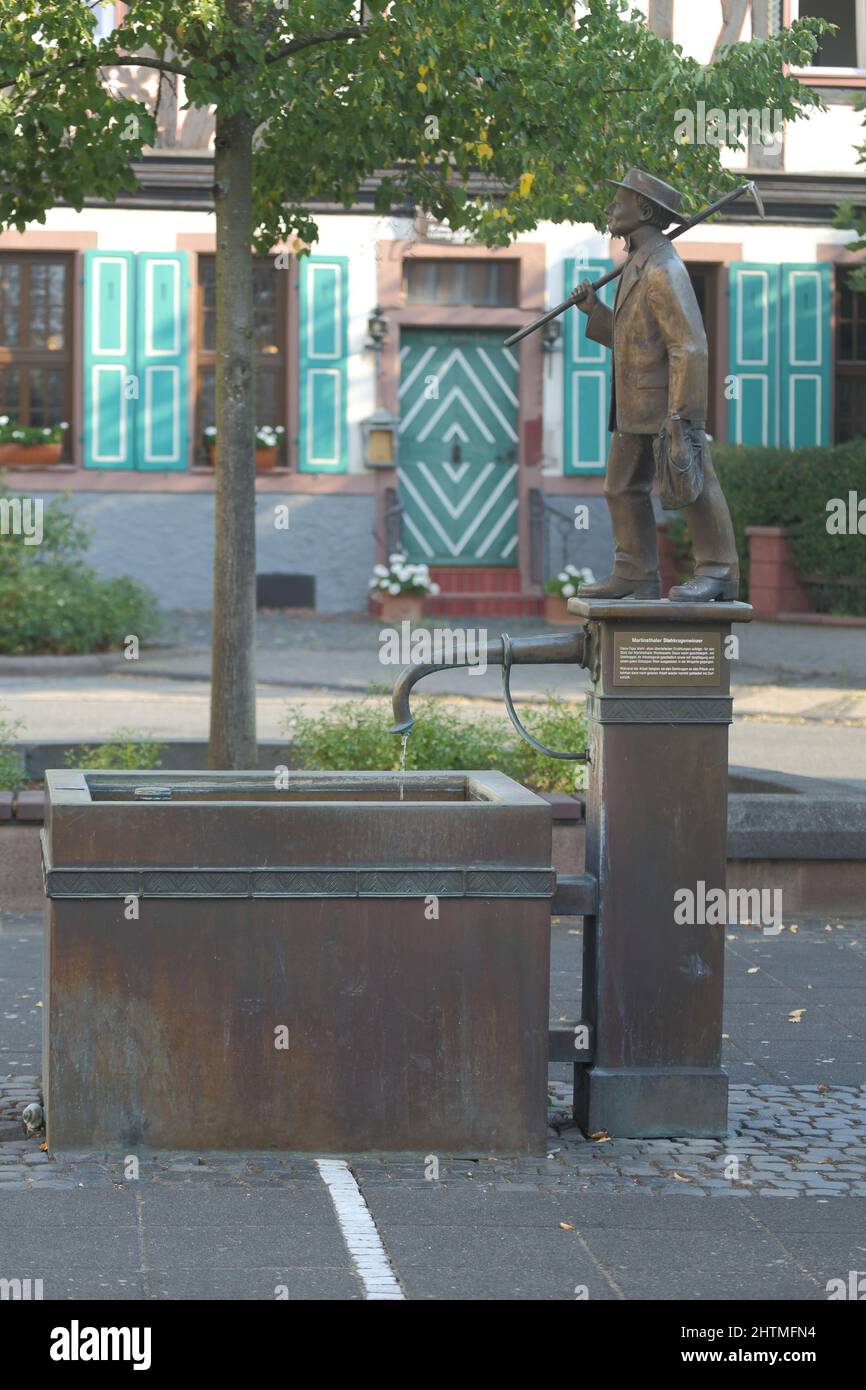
[406, 1031]
[656, 823]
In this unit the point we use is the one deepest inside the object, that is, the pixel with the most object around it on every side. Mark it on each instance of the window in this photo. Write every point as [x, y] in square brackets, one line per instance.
[35, 338]
[850, 362]
[270, 296]
[483, 283]
[844, 50]
[705, 281]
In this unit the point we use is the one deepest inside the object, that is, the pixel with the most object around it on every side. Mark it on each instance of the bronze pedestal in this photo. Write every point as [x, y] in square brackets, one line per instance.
[658, 711]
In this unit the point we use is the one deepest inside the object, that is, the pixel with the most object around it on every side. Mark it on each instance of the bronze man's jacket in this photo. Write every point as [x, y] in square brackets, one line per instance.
[658, 341]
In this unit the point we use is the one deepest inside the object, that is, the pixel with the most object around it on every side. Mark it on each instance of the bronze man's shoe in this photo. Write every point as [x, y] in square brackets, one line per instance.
[617, 586]
[704, 589]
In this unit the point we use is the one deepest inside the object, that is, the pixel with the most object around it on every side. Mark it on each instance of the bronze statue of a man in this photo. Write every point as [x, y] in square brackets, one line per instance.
[659, 382]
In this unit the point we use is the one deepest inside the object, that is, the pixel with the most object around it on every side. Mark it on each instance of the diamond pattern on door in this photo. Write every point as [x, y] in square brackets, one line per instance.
[458, 447]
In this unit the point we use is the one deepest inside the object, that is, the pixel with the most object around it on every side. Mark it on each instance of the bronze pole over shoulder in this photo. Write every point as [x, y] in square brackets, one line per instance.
[578, 294]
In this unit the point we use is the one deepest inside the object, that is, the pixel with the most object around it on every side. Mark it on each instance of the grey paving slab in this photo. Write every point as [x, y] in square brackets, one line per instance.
[831, 1256]
[87, 1208]
[666, 1214]
[715, 1266]
[252, 1284]
[96, 1285]
[519, 1281]
[275, 1242]
[441, 1204]
[36, 1250]
[478, 1262]
[295, 1202]
[810, 1216]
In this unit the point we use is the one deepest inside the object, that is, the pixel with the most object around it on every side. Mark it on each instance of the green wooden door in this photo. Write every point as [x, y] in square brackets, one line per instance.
[458, 447]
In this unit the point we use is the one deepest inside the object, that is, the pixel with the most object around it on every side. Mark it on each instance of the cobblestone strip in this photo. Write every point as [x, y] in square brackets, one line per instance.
[783, 1141]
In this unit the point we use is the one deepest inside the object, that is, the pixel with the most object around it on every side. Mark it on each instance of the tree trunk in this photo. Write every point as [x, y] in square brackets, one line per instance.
[233, 681]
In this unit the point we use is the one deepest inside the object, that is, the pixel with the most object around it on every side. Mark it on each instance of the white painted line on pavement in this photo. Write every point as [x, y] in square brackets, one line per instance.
[358, 1230]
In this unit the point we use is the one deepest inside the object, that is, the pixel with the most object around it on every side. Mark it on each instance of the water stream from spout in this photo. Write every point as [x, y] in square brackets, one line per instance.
[404, 742]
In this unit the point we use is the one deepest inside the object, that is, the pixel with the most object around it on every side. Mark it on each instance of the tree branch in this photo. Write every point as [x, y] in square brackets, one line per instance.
[114, 61]
[326, 36]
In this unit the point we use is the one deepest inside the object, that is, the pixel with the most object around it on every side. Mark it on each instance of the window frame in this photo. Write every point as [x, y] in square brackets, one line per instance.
[29, 358]
[846, 368]
[859, 69]
[420, 263]
[205, 358]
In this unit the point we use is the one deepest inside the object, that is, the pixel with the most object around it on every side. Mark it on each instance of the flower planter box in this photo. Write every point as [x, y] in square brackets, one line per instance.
[774, 585]
[265, 458]
[556, 609]
[393, 608]
[30, 456]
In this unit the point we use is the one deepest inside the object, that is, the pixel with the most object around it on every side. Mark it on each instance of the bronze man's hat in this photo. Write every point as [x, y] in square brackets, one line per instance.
[656, 190]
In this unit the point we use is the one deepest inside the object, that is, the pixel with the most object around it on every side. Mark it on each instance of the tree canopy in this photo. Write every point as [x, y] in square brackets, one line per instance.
[490, 115]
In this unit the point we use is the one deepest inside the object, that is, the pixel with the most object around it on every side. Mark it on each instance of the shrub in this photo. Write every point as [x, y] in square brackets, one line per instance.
[52, 601]
[353, 735]
[12, 772]
[125, 752]
[784, 487]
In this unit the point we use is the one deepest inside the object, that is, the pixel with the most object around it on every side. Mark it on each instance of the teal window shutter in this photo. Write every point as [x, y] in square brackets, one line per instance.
[805, 355]
[586, 377]
[323, 432]
[109, 356]
[753, 293]
[162, 298]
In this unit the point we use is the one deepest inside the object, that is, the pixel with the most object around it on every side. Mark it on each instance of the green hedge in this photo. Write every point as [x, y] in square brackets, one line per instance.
[785, 487]
[52, 601]
[353, 735]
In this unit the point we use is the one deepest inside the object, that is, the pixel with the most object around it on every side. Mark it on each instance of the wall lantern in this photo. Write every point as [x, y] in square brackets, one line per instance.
[550, 335]
[381, 439]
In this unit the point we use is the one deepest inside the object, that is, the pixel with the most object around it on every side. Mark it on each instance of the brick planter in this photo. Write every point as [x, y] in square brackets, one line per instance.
[556, 609]
[393, 608]
[774, 586]
[30, 455]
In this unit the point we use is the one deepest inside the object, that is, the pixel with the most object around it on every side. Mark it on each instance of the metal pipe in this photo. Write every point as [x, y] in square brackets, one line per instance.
[524, 651]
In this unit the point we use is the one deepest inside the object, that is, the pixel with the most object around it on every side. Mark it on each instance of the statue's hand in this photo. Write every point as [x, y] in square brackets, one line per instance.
[590, 298]
[684, 435]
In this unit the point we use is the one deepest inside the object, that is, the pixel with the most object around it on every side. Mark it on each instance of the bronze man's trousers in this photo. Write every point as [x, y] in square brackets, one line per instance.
[627, 487]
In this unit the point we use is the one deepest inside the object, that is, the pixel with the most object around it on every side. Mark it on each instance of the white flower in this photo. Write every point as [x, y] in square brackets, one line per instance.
[572, 569]
[562, 577]
[434, 589]
[211, 431]
[17, 434]
[45, 432]
[394, 589]
[4, 419]
[397, 558]
[568, 591]
[64, 425]
[587, 576]
[380, 570]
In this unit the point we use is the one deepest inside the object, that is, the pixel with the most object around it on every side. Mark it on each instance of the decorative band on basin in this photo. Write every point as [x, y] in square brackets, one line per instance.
[444, 882]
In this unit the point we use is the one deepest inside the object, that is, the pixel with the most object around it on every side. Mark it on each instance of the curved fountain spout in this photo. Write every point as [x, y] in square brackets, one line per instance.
[519, 651]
